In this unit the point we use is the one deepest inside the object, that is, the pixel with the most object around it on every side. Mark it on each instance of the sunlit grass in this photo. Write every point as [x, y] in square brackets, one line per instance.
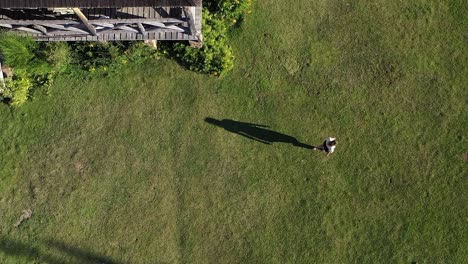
[125, 169]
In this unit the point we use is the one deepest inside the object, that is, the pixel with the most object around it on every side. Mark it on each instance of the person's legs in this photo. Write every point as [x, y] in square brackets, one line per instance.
[321, 147]
[318, 148]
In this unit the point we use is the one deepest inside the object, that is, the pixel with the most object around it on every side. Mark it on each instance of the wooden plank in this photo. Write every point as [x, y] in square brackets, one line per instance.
[29, 30]
[53, 33]
[108, 12]
[41, 29]
[156, 24]
[151, 12]
[111, 35]
[191, 21]
[65, 35]
[191, 2]
[129, 29]
[85, 21]
[69, 28]
[106, 25]
[162, 12]
[157, 30]
[141, 28]
[139, 11]
[198, 19]
[175, 28]
[118, 26]
[92, 21]
[92, 3]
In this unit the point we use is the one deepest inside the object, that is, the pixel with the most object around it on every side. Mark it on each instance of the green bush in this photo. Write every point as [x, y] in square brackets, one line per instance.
[36, 65]
[17, 90]
[93, 55]
[139, 52]
[30, 68]
[57, 54]
[17, 51]
[232, 11]
[216, 56]
[23, 53]
[102, 59]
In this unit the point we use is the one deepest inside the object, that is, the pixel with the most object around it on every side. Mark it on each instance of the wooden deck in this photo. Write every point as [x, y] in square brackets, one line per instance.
[94, 3]
[106, 24]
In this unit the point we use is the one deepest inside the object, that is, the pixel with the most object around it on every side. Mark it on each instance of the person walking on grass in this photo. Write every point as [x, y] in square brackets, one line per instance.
[328, 146]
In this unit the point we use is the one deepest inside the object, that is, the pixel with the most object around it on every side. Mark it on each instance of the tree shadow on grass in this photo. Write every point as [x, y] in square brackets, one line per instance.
[84, 256]
[256, 132]
[18, 249]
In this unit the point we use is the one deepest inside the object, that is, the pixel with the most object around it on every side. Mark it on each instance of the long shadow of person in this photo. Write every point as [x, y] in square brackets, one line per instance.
[256, 132]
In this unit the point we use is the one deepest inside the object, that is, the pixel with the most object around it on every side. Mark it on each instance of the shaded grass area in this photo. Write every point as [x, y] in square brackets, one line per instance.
[21, 251]
[126, 170]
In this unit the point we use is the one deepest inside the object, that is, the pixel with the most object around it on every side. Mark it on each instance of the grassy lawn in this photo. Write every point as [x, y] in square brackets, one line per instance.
[126, 170]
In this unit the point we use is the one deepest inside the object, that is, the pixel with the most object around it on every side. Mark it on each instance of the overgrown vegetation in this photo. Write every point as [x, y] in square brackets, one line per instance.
[35, 65]
[216, 56]
[102, 59]
[31, 68]
[230, 11]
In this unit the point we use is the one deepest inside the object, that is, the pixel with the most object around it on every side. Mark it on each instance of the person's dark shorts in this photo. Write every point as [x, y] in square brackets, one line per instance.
[325, 147]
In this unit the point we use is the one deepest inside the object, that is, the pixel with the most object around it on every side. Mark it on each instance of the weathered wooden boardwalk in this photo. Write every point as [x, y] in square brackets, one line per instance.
[101, 20]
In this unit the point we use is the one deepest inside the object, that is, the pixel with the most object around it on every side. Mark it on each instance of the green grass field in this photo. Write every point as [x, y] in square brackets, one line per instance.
[126, 170]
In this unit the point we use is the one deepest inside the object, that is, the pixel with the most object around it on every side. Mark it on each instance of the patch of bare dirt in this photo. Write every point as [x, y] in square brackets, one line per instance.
[25, 216]
[79, 166]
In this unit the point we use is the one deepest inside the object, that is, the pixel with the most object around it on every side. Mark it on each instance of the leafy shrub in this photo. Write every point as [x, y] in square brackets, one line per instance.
[17, 90]
[30, 67]
[233, 11]
[37, 64]
[102, 59]
[93, 55]
[57, 54]
[139, 52]
[17, 51]
[216, 56]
